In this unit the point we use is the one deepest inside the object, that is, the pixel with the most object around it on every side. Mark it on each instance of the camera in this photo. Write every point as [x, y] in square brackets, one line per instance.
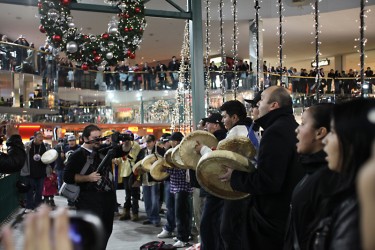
[117, 137]
[85, 231]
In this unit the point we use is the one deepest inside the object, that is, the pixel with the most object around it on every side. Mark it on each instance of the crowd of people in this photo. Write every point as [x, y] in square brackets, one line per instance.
[311, 186]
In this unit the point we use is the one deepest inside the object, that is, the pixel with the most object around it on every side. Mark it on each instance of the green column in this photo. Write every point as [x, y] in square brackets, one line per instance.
[196, 55]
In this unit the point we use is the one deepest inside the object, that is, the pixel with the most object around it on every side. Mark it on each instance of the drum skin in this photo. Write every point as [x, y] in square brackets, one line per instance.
[188, 154]
[213, 164]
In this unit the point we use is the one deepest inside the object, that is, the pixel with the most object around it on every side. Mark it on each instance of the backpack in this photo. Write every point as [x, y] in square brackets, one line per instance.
[157, 245]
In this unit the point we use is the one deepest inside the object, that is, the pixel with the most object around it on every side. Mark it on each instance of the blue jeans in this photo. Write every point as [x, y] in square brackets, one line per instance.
[183, 215]
[60, 177]
[34, 194]
[151, 199]
[169, 201]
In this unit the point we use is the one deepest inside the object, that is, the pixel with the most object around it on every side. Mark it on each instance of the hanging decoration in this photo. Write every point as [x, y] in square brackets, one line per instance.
[257, 7]
[281, 36]
[222, 51]
[207, 56]
[235, 48]
[315, 8]
[159, 110]
[119, 42]
[182, 112]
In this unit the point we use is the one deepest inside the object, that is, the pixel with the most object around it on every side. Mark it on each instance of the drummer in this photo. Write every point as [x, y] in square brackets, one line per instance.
[228, 232]
[34, 170]
[278, 171]
[209, 224]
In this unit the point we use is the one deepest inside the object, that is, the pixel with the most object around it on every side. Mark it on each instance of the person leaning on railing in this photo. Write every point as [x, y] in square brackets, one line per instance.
[13, 160]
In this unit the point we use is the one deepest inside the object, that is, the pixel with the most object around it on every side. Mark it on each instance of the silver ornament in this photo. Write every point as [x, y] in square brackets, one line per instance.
[109, 55]
[71, 25]
[72, 47]
[53, 14]
[69, 18]
[112, 30]
[93, 38]
[101, 68]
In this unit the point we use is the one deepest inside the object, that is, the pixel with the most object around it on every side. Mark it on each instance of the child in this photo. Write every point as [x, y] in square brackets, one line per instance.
[50, 187]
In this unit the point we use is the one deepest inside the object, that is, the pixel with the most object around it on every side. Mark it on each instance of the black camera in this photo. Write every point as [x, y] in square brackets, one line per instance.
[117, 137]
[85, 231]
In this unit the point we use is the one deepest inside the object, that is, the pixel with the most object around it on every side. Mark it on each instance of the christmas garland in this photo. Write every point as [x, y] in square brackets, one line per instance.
[120, 41]
[159, 110]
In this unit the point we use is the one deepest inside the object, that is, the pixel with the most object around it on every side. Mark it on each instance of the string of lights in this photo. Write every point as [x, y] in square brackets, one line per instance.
[182, 113]
[257, 7]
[207, 55]
[235, 47]
[315, 8]
[222, 50]
[281, 36]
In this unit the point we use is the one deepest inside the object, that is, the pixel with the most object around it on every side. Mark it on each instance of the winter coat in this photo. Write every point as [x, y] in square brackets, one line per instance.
[272, 183]
[15, 158]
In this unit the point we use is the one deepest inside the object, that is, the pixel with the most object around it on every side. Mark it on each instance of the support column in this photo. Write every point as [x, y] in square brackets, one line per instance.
[196, 56]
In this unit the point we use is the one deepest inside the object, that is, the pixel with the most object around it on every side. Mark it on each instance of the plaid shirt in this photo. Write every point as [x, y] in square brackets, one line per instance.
[178, 181]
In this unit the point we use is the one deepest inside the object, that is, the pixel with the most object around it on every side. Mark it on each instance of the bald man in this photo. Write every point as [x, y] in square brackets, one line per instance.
[278, 171]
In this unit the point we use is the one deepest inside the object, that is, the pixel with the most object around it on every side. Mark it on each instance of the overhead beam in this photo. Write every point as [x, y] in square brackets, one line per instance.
[110, 9]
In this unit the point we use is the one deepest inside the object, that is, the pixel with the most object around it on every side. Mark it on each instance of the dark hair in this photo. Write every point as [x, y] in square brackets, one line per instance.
[321, 114]
[150, 138]
[88, 129]
[355, 134]
[234, 107]
[281, 96]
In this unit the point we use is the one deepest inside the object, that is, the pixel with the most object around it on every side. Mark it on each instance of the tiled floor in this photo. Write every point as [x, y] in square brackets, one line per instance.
[126, 235]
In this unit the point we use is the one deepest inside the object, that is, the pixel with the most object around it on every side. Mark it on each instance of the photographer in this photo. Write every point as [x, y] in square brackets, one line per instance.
[97, 193]
[15, 158]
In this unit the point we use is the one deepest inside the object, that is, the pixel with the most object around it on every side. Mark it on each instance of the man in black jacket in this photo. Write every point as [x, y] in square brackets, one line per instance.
[278, 171]
[15, 158]
[97, 193]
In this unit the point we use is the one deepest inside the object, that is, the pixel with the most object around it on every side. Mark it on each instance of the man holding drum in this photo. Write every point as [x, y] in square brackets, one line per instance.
[278, 171]
[34, 170]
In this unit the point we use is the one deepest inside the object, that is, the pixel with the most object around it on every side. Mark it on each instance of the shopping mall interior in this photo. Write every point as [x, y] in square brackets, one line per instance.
[147, 100]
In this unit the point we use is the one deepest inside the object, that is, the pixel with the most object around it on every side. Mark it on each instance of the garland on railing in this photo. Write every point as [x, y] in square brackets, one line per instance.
[121, 40]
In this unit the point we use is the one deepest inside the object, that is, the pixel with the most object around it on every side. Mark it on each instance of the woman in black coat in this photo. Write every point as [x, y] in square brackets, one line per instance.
[310, 192]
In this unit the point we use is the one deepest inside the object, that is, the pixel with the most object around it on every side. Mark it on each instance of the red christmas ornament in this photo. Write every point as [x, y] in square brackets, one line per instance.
[56, 38]
[129, 52]
[132, 56]
[130, 28]
[105, 36]
[97, 59]
[85, 66]
[94, 52]
[85, 37]
[65, 2]
[126, 15]
[40, 5]
[137, 9]
[140, 29]
[41, 29]
[126, 29]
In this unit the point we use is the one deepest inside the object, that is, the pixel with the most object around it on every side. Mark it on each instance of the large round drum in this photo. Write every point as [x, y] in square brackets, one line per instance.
[148, 161]
[157, 170]
[238, 144]
[176, 159]
[213, 164]
[188, 154]
[168, 157]
[137, 168]
[49, 156]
